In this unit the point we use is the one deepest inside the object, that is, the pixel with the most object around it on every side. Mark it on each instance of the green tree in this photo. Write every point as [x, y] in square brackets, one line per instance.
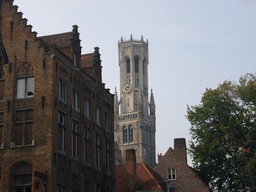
[223, 130]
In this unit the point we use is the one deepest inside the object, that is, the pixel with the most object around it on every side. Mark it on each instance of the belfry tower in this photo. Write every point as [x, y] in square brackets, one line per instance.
[134, 113]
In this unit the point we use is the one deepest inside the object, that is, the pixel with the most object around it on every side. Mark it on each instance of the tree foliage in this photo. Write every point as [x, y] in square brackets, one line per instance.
[223, 130]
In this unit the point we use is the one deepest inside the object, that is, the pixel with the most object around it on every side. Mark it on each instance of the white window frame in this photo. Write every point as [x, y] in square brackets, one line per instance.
[87, 105]
[97, 152]
[171, 174]
[107, 120]
[75, 125]
[25, 87]
[87, 146]
[62, 91]
[62, 130]
[108, 157]
[97, 116]
[75, 100]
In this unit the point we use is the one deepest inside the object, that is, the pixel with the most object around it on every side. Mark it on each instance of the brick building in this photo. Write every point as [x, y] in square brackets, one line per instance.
[56, 117]
[174, 169]
[137, 177]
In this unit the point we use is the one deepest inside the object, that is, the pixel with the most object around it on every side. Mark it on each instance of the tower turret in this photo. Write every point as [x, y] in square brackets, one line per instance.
[152, 104]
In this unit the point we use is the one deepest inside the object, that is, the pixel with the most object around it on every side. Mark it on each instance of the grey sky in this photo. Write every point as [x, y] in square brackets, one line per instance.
[193, 45]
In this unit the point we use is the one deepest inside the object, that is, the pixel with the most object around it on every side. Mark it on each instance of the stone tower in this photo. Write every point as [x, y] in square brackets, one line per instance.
[134, 113]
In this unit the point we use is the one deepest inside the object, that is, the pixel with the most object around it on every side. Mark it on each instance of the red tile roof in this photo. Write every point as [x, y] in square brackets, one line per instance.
[145, 177]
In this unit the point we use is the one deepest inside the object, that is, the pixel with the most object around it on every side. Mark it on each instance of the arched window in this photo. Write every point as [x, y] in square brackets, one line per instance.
[128, 68]
[21, 177]
[125, 135]
[136, 61]
[130, 130]
[144, 65]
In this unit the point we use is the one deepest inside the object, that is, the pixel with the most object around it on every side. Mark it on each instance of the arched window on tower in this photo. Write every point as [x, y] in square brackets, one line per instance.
[144, 65]
[124, 134]
[130, 130]
[128, 67]
[136, 61]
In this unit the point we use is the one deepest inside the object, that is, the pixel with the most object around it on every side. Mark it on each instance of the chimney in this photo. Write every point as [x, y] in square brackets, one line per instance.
[181, 149]
[160, 156]
[131, 168]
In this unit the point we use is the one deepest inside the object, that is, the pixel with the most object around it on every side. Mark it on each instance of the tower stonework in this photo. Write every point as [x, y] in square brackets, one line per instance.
[134, 113]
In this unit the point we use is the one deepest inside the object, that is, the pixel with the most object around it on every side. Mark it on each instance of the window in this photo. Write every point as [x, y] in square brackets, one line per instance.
[128, 65]
[75, 139]
[137, 81]
[87, 108]
[62, 91]
[25, 87]
[171, 173]
[130, 130]
[108, 170]
[62, 128]
[172, 189]
[61, 181]
[97, 188]
[87, 186]
[22, 183]
[23, 127]
[97, 152]
[107, 119]
[75, 100]
[98, 116]
[75, 183]
[21, 177]
[125, 140]
[87, 147]
[136, 60]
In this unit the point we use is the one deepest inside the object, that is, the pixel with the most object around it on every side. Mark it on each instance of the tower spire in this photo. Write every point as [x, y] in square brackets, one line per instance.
[152, 104]
[116, 104]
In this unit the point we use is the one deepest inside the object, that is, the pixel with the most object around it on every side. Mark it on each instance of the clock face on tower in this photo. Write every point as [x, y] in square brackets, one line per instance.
[127, 88]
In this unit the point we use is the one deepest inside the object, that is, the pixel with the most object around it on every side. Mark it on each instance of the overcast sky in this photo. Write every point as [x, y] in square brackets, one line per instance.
[193, 45]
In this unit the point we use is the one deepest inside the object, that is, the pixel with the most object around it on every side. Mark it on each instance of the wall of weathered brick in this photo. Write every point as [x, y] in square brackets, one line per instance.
[186, 179]
[48, 66]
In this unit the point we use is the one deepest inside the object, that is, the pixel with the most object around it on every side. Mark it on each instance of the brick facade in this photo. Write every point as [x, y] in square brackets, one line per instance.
[174, 169]
[56, 117]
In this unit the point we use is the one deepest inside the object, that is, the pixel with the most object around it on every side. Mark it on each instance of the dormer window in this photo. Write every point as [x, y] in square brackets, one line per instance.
[171, 174]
